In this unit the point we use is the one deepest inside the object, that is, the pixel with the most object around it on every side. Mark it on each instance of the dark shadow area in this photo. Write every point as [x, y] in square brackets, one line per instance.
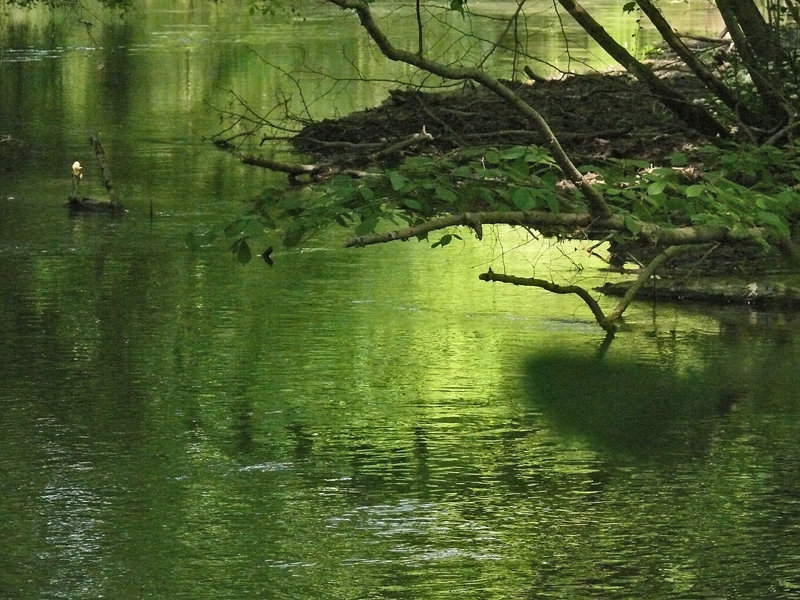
[627, 407]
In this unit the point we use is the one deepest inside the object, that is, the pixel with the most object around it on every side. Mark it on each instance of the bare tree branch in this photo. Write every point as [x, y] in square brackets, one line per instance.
[414, 139]
[644, 277]
[555, 288]
[596, 201]
[511, 21]
[420, 46]
[698, 67]
[291, 169]
[606, 321]
[320, 171]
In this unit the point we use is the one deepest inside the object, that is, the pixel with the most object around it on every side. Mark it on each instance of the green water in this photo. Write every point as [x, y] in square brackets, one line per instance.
[347, 424]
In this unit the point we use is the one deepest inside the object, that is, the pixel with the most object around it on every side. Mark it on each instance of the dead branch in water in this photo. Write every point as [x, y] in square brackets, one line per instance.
[295, 170]
[317, 172]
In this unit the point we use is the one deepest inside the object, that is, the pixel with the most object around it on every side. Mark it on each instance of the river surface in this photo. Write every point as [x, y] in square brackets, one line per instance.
[347, 424]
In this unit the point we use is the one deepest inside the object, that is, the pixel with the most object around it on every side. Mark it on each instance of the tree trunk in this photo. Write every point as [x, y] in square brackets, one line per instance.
[698, 67]
[694, 116]
[760, 38]
[756, 45]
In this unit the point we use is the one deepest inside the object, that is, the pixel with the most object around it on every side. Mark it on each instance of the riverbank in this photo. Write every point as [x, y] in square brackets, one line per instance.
[599, 119]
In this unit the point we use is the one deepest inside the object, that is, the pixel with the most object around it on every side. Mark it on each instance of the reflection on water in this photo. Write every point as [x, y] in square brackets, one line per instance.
[347, 424]
[194, 430]
[630, 406]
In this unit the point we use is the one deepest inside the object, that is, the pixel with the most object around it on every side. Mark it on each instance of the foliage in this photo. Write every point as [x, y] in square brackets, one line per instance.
[738, 187]
[735, 187]
[517, 178]
[782, 75]
[720, 195]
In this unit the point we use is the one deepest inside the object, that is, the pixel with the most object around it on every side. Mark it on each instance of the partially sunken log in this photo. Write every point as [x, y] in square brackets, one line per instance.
[87, 204]
[784, 294]
[79, 203]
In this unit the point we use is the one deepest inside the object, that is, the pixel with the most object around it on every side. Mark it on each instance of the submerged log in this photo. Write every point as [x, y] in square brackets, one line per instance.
[782, 291]
[77, 203]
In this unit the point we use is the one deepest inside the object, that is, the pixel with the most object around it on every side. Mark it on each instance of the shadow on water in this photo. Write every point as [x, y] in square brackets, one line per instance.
[626, 407]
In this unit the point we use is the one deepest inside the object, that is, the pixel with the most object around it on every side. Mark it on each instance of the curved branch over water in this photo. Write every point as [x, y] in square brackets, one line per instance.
[555, 288]
[597, 203]
[607, 321]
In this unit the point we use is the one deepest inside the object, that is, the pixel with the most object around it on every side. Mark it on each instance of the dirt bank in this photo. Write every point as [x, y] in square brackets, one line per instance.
[594, 116]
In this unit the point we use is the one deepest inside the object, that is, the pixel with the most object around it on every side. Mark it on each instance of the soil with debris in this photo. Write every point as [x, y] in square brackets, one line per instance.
[594, 116]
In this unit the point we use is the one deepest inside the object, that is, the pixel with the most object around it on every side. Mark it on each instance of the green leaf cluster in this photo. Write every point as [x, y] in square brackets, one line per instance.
[515, 178]
[734, 187]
